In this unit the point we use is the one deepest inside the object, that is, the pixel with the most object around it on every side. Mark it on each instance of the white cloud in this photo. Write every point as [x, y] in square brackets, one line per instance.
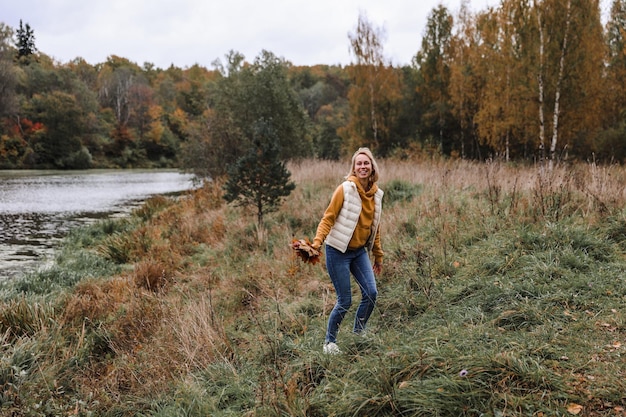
[185, 32]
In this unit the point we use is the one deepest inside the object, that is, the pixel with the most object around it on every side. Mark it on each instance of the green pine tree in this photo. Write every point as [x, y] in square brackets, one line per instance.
[25, 41]
[259, 179]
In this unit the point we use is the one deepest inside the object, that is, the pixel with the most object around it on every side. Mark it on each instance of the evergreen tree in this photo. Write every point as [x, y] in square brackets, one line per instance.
[433, 63]
[25, 41]
[243, 94]
[259, 179]
[616, 63]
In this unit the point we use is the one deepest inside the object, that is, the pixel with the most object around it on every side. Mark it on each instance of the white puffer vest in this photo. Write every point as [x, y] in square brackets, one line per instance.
[341, 232]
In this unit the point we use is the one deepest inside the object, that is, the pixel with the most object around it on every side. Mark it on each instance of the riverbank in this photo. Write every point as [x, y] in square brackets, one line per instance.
[38, 208]
[502, 294]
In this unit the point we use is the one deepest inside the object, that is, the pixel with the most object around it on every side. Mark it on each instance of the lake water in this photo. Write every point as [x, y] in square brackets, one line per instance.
[38, 208]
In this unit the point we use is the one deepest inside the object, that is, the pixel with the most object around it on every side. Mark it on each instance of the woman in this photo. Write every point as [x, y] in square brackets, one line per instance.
[350, 228]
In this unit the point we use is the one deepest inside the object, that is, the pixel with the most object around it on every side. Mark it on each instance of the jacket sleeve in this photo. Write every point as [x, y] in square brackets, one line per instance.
[330, 215]
[377, 249]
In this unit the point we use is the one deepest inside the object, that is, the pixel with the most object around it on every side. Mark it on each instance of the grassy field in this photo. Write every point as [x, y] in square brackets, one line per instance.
[503, 294]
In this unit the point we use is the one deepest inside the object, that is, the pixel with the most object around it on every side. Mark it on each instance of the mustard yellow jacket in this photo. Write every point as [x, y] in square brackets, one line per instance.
[352, 219]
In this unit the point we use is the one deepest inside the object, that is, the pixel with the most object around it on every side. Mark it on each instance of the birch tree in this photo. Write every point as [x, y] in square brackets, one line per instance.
[570, 73]
[375, 92]
[540, 83]
[559, 83]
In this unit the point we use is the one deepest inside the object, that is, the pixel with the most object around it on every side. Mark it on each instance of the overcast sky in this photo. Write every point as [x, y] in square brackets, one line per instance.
[188, 32]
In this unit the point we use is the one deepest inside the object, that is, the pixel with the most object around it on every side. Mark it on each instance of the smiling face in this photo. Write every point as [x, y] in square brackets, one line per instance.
[362, 167]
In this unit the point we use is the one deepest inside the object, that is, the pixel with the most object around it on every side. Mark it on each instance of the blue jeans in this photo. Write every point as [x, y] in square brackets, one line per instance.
[340, 266]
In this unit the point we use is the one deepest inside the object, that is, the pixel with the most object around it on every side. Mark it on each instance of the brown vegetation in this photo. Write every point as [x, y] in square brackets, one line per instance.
[202, 291]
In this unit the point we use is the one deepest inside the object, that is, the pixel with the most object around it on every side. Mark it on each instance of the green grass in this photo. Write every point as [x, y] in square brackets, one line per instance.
[494, 301]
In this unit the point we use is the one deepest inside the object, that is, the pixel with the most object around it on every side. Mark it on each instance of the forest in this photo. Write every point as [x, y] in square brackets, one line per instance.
[526, 81]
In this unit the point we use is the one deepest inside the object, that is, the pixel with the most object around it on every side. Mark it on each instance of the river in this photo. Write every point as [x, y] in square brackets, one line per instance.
[38, 208]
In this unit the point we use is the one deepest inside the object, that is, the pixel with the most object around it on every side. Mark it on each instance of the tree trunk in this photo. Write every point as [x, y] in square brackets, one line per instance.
[373, 104]
[557, 97]
[542, 125]
[507, 146]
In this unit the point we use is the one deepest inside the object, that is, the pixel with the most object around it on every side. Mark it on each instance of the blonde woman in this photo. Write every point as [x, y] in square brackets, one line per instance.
[350, 229]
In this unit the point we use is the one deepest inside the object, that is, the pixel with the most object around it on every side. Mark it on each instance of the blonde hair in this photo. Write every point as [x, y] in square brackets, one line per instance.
[365, 151]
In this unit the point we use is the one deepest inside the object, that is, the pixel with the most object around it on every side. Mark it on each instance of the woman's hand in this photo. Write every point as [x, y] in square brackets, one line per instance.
[378, 268]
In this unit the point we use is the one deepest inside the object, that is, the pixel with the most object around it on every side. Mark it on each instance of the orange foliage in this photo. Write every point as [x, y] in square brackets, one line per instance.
[305, 251]
[25, 127]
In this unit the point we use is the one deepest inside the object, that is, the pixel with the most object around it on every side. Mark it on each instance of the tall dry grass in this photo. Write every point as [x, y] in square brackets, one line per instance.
[204, 315]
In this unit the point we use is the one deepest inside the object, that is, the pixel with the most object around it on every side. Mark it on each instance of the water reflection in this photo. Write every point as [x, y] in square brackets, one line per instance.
[38, 208]
[27, 240]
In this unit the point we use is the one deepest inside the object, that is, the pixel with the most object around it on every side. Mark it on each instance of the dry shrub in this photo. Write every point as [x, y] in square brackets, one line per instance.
[121, 378]
[181, 228]
[130, 315]
[94, 300]
[190, 229]
[151, 274]
[128, 247]
[143, 239]
[211, 228]
[135, 322]
[207, 197]
[117, 248]
[159, 263]
[152, 206]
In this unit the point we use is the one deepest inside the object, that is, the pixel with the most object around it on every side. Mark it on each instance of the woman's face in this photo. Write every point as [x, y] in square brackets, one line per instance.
[362, 166]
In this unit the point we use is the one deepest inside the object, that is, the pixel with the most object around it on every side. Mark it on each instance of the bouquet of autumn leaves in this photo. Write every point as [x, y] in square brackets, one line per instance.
[305, 251]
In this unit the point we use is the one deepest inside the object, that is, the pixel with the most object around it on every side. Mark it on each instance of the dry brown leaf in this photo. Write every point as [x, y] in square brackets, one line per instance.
[305, 251]
[574, 408]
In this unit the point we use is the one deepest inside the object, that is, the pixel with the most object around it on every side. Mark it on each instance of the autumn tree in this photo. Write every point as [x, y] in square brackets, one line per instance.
[215, 140]
[329, 120]
[114, 91]
[12, 146]
[59, 145]
[570, 70]
[8, 76]
[504, 106]
[323, 90]
[192, 94]
[243, 95]
[528, 77]
[85, 72]
[466, 81]
[433, 64]
[612, 144]
[141, 108]
[120, 92]
[375, 92]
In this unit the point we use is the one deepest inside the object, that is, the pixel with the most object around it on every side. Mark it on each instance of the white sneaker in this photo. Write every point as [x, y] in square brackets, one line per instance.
[331, 348]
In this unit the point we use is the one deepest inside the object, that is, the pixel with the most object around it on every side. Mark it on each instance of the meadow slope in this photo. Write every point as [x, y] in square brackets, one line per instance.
[503, 294]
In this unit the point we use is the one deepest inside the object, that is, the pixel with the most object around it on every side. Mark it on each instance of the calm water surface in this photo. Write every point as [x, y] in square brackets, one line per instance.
[38, 208]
